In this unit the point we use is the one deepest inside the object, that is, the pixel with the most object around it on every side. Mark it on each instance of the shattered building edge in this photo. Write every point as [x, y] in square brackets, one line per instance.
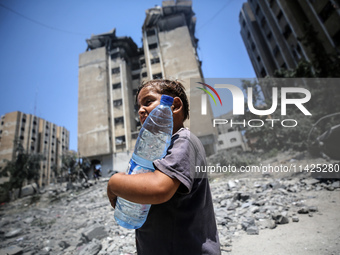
[112, 68]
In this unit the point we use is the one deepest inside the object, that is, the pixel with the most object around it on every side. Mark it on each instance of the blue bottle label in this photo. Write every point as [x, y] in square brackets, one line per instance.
[131, 166]
[134, 168]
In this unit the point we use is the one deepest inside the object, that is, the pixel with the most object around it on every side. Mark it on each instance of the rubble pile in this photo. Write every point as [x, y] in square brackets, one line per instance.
[249, 205]
[82, 222]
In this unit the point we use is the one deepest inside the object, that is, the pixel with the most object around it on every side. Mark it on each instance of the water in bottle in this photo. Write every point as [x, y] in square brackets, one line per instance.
[152, 143]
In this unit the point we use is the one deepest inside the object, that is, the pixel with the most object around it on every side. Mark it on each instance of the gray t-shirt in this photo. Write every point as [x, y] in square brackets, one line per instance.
[186, 223]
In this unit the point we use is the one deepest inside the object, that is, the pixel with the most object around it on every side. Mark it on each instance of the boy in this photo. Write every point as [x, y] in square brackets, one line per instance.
[181, 219]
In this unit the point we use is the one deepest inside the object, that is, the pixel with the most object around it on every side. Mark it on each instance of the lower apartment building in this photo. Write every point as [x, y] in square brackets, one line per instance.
[36, 136]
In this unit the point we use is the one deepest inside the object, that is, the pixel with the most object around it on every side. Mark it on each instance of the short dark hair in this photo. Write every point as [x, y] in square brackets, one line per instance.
[172, 88]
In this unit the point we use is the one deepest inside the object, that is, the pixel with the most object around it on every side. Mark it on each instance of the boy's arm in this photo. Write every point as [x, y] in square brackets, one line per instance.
[146, 188]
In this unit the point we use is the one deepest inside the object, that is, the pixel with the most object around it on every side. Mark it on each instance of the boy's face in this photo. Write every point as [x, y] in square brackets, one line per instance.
[147, 100]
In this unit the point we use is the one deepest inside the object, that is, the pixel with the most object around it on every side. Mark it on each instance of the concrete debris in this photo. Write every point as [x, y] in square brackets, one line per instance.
[13, 233]
[95, 231]
[295, 218]
[11, 250]
[92, 248]
[303, 210]
[252, 230]
[74, 219]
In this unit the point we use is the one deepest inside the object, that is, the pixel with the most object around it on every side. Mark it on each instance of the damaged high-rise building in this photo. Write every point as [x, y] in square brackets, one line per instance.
[272, 31]
[113, 67]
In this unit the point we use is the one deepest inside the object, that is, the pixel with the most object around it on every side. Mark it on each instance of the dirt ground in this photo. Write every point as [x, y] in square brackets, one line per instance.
[316, 234]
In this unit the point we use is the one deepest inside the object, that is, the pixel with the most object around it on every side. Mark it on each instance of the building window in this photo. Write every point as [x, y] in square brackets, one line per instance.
[135, 66]
[154, 61]
[233, 140]
[269, 36]
[117, 103]
[157, 76]
[271, 2]
[135, 76]
[263, 22]
[142, 61]
[327, 11]
[276, 50]
[116, 85]
[253, 46]
[284, 66]
[21, 137]
[279, 16]
[220, 142]
[257, 9]
[120, 140]
[152, 46]
[115, 70]
[243, 23]
[294, 53]
[144, 74]
[287, 31]
[263, 72]
[115, 55]
[134, 135]
[119, 120]
[150, 32]
[258, 59]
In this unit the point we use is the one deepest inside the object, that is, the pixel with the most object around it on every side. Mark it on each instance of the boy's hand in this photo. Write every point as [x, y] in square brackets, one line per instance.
[112, 196]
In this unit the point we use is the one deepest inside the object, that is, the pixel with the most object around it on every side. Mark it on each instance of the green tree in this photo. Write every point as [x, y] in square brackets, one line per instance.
[85, 167]
[25, 167]
[57, 173]
[70, 166]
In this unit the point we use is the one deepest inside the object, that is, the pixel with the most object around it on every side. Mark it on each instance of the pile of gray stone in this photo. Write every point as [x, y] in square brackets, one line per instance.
[80, 221]
[249, 205]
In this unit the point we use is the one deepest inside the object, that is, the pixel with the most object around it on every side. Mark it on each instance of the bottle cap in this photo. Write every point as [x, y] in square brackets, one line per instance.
[167, 100]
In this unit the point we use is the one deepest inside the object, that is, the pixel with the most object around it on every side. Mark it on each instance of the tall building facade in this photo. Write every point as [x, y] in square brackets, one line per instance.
[111, 70]
[36, 136]
[271, 30]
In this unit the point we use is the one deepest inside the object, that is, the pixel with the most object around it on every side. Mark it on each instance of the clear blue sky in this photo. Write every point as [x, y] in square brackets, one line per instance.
[41, 42]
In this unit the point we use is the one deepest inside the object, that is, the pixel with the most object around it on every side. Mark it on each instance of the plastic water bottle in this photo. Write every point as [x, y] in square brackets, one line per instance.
[152, 143]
